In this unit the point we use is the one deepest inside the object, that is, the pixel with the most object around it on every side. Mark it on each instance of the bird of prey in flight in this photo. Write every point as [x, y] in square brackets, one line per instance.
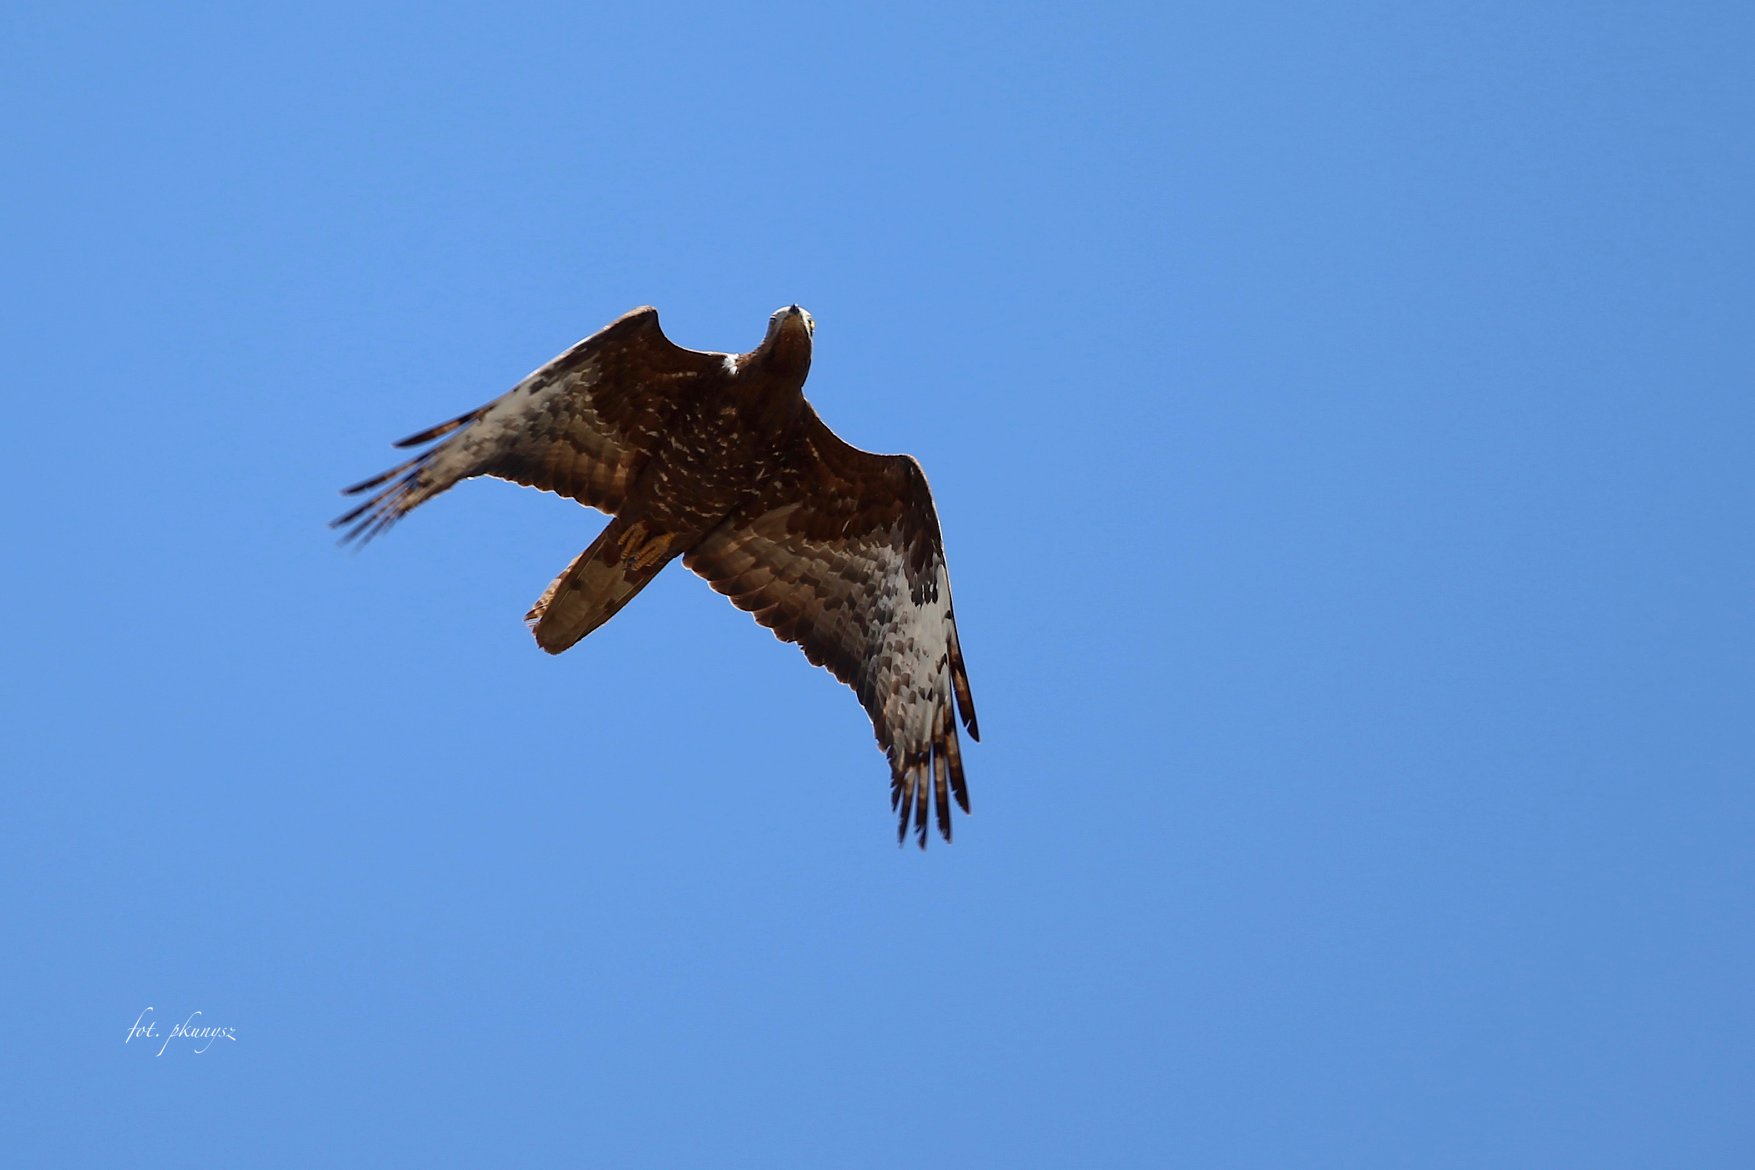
[717, 458]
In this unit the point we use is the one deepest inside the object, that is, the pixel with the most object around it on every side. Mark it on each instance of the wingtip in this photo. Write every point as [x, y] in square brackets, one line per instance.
[442, 429]
[362, 485]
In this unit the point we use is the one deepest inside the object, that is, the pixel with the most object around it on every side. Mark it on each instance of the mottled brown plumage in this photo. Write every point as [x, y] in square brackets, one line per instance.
[719, 459]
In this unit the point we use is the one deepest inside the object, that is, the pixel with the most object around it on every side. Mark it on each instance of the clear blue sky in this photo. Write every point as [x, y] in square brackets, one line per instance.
[1341, 422]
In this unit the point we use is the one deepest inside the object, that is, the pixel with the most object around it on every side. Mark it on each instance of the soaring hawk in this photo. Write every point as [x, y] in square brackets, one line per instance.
[718, 458]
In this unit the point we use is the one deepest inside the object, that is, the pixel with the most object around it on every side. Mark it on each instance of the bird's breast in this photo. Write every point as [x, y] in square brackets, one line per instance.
[712, 458]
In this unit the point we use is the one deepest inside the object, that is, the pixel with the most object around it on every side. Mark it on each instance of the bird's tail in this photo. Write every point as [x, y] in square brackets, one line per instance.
[619, 563]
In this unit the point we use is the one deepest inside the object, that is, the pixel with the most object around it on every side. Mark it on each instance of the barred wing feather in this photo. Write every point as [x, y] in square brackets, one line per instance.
[582, 426]
[841, 554]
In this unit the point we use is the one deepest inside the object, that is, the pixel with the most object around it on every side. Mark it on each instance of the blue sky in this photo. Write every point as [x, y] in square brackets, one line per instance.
[1340, 423]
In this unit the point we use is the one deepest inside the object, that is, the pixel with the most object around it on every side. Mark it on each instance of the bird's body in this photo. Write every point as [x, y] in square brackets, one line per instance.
[719, 459]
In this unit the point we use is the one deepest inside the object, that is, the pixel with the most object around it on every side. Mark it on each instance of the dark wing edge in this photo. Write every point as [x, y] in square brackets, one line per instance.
[579, 426]
[843, 556]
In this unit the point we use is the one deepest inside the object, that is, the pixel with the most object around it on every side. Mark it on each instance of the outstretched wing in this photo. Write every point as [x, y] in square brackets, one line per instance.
[842, 555]
[581, 426]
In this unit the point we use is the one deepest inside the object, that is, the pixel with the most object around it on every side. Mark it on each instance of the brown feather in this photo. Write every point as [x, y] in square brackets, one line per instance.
[443, 428]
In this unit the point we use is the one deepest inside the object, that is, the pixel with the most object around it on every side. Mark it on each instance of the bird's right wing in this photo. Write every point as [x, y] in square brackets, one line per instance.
[841, 554]
[582, 426]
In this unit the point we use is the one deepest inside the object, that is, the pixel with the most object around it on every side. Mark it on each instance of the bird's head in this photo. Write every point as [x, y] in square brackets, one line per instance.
[794, 318]
[788, 344]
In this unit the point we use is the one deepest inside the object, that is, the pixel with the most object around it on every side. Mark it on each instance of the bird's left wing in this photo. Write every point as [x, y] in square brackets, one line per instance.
[581, 426]
[841, 554]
